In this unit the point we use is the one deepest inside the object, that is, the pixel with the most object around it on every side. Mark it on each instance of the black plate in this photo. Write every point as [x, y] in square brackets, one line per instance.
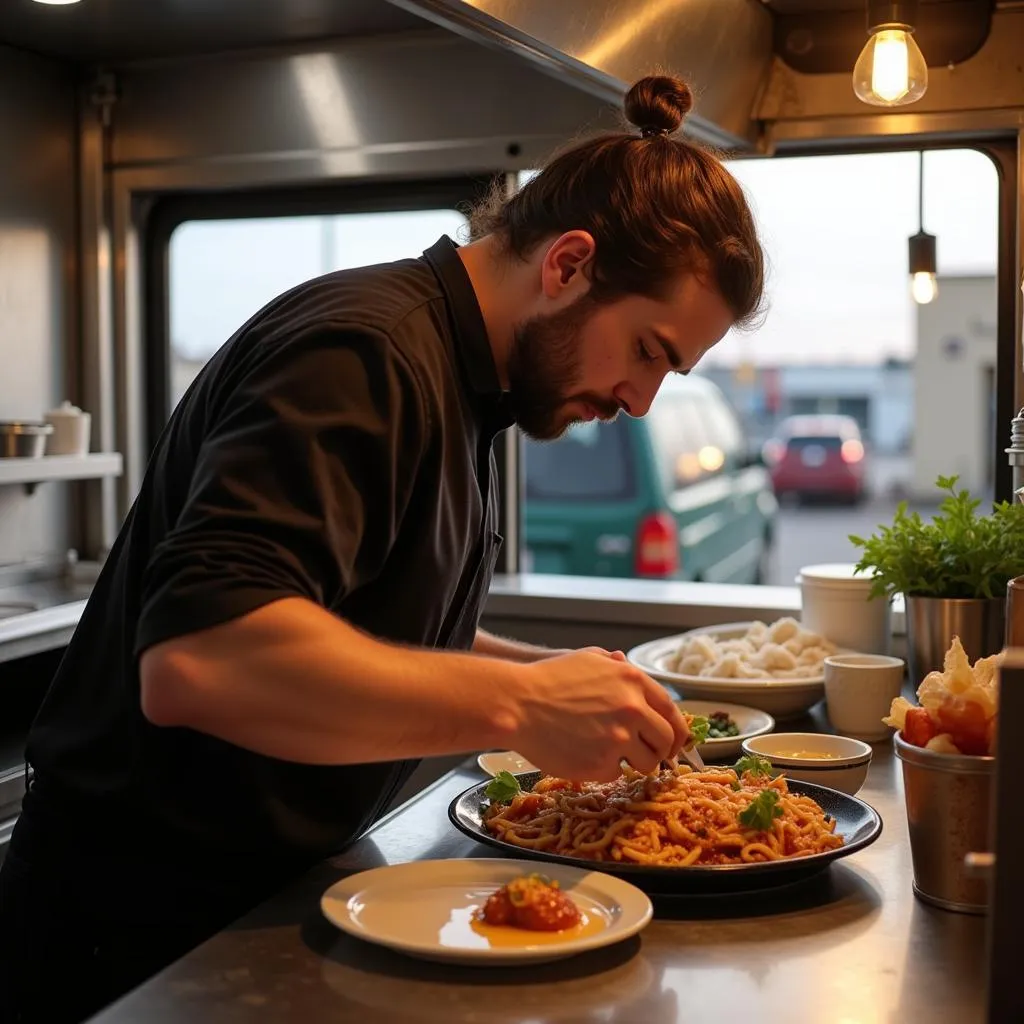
[858, 823]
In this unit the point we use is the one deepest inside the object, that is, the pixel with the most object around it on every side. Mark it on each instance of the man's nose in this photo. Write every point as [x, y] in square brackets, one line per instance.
[634, 400]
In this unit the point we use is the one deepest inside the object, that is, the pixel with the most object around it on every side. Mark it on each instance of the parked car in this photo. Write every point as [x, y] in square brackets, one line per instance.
[818, 456]
[674, 495]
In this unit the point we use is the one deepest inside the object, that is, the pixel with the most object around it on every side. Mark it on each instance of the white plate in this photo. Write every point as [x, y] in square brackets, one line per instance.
[783, 698]
[424, 909]
[751, 723]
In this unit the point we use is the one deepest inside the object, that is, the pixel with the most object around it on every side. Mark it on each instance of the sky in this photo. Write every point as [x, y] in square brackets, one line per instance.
[834, 228]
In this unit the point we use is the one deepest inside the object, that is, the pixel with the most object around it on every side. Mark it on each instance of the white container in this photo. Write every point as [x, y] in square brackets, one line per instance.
[834, 603]
[71, 429]
[845, 766]
[859, 691]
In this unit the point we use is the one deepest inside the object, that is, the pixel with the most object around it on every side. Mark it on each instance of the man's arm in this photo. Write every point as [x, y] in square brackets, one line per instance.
[292, 681]
[492, 646]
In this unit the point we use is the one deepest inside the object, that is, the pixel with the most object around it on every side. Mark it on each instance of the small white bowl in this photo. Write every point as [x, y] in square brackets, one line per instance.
[845, 770]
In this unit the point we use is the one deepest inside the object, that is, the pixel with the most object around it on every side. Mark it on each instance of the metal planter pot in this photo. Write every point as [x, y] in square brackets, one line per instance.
[932, 622]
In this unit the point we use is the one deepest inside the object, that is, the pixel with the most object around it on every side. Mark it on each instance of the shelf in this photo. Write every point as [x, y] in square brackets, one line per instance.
[59, 467]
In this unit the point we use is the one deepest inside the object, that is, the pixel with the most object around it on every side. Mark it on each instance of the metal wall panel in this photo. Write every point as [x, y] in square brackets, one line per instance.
[37, 311]
[409, 93]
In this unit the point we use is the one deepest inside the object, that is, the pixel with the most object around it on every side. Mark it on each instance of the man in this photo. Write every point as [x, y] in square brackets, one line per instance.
[289, 616]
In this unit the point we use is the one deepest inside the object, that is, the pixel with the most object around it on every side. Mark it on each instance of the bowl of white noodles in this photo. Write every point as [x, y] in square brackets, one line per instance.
[778, 667]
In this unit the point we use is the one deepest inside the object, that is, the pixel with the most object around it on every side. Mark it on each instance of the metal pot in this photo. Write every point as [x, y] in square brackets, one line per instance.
[20, 439]
[932, 622]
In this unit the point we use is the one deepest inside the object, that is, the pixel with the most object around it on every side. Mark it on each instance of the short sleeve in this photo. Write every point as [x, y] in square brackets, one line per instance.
[298, 488]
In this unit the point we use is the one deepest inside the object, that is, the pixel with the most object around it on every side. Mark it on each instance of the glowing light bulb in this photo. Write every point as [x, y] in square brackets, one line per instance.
[57, 3]
[923, 287]
[890, 71]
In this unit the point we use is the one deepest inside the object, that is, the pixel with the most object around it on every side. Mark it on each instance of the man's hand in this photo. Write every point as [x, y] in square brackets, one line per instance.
[584, 712]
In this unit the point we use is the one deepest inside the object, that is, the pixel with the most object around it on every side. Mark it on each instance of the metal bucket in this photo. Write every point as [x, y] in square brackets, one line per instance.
[948, 800]
[932, 622]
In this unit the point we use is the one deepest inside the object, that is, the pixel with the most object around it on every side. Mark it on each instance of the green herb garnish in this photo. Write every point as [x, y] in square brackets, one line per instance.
[755, 765]
[957, 554]
[502, 788]
[761, 811]
[699, 729]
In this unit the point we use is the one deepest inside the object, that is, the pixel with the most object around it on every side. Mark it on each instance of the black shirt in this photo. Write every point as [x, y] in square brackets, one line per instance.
[337, 448]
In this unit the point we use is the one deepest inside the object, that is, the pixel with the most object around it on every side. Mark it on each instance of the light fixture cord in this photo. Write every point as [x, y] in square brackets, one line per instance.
[920, 193]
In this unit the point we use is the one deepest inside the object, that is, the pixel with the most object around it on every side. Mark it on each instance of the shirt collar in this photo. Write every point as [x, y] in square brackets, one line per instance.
[471, 341]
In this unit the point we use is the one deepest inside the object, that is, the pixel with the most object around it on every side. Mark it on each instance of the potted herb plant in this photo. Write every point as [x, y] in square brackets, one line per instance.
[952, 572]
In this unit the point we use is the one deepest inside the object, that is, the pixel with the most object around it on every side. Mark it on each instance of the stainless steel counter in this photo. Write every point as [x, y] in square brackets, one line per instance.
[851, 947]
[40, 607]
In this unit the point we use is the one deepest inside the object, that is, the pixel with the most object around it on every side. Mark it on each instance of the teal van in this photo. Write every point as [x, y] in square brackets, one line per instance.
[674, 495]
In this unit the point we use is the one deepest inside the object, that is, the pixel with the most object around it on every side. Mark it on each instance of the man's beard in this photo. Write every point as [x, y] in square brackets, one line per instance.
[544, 368]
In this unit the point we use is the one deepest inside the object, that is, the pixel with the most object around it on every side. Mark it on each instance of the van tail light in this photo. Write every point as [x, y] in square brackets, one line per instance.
[657, 546]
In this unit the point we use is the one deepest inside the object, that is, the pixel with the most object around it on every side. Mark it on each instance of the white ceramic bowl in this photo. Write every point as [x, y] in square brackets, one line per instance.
[845, 769]
[781, 698]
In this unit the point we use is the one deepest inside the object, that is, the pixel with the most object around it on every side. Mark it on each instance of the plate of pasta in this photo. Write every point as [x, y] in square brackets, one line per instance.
[486, 911]
[721, 830]
[777, 667]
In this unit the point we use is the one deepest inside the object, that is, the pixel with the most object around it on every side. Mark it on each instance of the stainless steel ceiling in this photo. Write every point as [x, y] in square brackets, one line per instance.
[121, 30]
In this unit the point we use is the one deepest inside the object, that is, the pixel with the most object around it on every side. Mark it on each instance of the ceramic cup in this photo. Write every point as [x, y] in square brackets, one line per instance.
[71, 429]
[859, 690]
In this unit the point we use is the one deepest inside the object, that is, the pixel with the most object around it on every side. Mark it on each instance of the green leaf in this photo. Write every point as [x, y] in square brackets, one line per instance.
[761, 811]
[755, 765]
[502, 788]
[699, 728]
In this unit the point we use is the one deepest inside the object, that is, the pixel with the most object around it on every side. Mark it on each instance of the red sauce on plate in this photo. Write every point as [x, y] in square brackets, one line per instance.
[533, 903]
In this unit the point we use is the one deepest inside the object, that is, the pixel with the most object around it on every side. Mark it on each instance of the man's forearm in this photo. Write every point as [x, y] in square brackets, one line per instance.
[493, 646]
[294, 682]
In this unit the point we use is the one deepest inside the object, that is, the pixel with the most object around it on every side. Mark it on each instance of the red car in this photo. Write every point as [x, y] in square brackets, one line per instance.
[820, 456]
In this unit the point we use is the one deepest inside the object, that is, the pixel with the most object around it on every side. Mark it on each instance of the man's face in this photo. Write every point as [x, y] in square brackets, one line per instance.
[589, 359]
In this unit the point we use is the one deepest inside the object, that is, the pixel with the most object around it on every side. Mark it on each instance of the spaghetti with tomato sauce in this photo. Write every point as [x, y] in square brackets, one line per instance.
[673, 818]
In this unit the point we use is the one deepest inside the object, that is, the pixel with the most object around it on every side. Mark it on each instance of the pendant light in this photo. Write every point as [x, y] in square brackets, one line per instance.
[890, 71]
[923, 263]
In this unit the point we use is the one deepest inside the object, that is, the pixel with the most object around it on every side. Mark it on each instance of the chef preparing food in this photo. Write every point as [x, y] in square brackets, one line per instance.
[289, 617]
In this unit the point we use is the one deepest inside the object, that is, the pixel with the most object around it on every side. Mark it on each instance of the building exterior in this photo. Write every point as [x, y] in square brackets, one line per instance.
[955, 430]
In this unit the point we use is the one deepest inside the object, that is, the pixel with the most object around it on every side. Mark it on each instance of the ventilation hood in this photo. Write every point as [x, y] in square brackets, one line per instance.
[723, 46]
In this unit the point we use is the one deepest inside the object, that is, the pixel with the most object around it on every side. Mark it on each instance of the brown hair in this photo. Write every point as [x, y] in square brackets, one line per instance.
[657, 206]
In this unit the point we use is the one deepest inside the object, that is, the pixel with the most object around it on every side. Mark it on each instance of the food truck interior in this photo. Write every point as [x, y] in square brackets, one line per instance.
[167, 167]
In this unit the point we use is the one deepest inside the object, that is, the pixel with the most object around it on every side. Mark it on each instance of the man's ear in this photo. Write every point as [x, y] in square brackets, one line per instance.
[565, 267]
